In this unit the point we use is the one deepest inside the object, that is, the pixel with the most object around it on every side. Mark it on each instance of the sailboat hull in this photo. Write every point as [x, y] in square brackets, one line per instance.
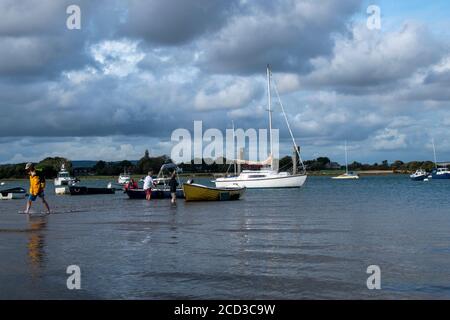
[290, 181]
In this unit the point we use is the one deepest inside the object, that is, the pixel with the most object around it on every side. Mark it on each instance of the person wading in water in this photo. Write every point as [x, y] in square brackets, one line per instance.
[173, 183]
[37, 186]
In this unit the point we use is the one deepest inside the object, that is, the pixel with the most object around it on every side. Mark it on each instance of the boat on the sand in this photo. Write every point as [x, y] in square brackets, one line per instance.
[198, 192]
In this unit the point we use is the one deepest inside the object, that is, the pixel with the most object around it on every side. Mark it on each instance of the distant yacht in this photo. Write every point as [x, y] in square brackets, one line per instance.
[268, 177]
[438, 173]
[347, 174]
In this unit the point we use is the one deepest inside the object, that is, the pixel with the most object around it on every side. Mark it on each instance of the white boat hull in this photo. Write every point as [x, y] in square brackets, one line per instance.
[62, 190]
[345, 177]
[289, 181]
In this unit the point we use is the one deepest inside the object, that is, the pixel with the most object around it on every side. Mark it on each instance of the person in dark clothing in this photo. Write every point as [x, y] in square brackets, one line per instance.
[173, 184]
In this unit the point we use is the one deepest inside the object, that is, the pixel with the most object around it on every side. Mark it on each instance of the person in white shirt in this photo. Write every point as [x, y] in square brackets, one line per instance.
[148, 184]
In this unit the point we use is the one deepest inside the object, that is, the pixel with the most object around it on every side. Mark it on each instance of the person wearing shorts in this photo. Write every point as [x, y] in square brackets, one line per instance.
[37, 186]
[148, 184]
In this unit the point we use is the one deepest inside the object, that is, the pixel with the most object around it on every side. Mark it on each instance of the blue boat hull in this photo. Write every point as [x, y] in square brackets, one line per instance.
[441, 176]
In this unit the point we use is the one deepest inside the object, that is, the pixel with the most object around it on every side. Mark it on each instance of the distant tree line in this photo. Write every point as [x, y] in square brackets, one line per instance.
[51, 166]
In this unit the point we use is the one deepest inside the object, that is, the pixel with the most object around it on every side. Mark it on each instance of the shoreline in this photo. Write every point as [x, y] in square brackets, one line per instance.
[220, 174]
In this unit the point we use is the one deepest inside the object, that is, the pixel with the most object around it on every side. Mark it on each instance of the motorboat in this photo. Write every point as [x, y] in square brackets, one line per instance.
[161, 189]
[63, 178]
[419, 175]
[156, 193]
[198, 192]
[77, 190]
[269, 176]
[124, 178]
[13, 193]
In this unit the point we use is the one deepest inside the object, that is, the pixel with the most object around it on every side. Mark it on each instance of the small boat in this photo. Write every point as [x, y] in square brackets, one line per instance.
[76, 191]
[419, 175]
[124, 178]
[348, 174]
[198, 192]
[156, 193]
[63, 178]
[13, 193]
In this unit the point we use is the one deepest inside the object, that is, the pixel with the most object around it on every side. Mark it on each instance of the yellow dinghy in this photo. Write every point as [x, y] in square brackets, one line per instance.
[198, 192]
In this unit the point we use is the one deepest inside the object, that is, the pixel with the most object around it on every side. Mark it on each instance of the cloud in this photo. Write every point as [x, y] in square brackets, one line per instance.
[236, 94]
[138, 70]
[389, 139]
[370, 59]
[173, 22]
[286, 34]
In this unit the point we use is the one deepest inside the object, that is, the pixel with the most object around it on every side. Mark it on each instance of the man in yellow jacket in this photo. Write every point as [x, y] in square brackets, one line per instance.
[37, 186]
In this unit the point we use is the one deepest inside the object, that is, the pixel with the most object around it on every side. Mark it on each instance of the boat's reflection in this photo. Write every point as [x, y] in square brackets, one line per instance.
[36, 244]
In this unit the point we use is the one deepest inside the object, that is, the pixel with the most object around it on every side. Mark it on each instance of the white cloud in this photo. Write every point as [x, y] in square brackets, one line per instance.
[390, 139]
[236, 94]
[117, 57]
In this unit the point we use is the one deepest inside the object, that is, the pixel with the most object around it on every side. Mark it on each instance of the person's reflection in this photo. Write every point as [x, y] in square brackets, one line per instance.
[36, 243]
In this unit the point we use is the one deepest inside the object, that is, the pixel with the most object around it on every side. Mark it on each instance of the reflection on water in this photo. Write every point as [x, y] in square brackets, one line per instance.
[281, 244]
[36, 244]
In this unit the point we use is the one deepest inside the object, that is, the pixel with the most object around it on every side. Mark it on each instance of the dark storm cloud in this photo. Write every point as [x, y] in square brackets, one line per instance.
[286, 34]
[172, 22]
[139, 69]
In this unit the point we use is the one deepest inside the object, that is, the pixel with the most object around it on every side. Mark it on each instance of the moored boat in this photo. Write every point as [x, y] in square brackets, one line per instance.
[156, 193]
[270, 176]
[198, 192]
[419, 175]
[63, 178]
[348, 175]
[124, 178]
[13, 193]
[76, 190]
[440, 173]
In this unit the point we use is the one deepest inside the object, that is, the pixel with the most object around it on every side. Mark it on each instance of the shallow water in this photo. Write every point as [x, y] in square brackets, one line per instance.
[314, 242]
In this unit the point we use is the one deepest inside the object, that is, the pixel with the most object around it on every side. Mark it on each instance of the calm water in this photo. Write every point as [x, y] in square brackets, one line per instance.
[315, 242]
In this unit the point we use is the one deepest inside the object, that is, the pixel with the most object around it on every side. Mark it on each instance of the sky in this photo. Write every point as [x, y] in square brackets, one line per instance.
[137, 70]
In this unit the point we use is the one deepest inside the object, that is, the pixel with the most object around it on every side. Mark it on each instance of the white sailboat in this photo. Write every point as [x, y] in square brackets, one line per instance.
[347, 174]
[268, 177]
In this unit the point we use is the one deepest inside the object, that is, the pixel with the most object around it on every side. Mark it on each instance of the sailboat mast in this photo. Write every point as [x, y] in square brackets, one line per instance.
[270, 115]
[434, 153]
[346, 159]
[234, 164]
